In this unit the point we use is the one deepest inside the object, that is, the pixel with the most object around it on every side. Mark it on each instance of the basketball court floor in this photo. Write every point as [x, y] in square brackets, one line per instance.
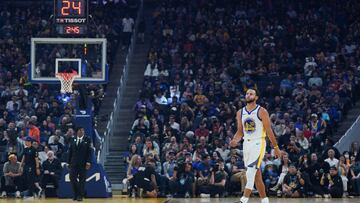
[118, 199]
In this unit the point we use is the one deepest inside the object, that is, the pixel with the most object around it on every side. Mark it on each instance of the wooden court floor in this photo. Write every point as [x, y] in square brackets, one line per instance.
[118, 199]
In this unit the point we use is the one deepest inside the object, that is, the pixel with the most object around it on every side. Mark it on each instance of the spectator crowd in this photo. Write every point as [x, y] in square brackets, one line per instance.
[36, 126]
[303, 57]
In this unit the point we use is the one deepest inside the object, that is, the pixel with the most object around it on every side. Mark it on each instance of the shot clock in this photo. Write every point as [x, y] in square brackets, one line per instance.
[71, 16]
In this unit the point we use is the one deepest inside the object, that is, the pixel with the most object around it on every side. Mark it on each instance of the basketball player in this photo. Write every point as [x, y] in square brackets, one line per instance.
[254, 124]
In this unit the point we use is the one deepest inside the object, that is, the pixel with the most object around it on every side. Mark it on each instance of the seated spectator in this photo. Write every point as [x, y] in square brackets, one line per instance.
[57, 147]
[183, 182]
[237, 171]
[58, 134]
[354, 149]
[331, 160]
[293, 185]
[315, 80]
[354, 174]
[303, 142]
[173, 124]
[133, 151]
[149, 148]
[12, 181]
[200, 99]
[332, 183]
[202, 131]
[132, 169]
[141, 128]
[283, 169]
[51, 170]
[171, 146]
[218, 178]
[270, 176]
[343, 172]
[203, 175]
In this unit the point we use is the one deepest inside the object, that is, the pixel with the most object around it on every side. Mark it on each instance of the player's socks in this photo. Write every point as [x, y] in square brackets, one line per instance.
[265, 200]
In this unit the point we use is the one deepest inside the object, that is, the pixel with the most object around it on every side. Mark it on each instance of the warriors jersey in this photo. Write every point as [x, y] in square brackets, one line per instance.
[254, 137]
[252, 125]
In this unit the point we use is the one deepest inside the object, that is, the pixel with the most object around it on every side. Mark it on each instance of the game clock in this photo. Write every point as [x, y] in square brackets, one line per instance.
[71, 29]
[71, 16]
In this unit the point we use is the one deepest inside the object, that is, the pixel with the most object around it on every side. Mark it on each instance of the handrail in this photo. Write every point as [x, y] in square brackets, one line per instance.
[109, 132]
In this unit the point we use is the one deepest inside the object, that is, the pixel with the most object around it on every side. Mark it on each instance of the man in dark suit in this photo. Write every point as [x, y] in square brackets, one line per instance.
[79, 162]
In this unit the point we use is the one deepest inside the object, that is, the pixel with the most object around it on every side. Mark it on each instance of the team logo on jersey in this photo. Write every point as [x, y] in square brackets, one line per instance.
[249, 125]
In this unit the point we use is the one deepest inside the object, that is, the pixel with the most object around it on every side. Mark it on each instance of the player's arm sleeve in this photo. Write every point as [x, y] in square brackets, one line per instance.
[264, 115]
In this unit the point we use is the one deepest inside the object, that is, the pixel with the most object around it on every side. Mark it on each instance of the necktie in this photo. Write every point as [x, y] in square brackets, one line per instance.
[78, 142]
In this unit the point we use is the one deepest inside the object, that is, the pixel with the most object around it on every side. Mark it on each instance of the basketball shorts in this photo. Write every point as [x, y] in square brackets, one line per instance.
[253, 152]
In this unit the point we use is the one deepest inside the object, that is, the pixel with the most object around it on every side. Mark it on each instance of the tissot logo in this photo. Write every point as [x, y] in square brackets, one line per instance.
[71, 20]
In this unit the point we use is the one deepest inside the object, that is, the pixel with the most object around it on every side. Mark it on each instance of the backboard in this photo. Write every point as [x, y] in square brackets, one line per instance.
[86, 56]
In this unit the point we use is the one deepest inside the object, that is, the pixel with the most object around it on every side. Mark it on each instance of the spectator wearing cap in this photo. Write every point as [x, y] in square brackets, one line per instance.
[13, 181]
[332, 183]
[169, 165]
[31, 166]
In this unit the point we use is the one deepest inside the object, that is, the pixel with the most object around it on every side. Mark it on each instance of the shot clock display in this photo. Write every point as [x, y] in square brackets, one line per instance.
[71, 16]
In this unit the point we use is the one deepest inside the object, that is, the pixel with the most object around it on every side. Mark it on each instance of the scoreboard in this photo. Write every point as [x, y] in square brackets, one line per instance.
[71, 16]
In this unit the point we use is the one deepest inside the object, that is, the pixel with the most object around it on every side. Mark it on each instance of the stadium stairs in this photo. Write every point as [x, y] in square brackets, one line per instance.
[347, 122]
[114, 165]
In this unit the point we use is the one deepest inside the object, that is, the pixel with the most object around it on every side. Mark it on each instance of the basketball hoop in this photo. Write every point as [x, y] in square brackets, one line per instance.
[66, 80]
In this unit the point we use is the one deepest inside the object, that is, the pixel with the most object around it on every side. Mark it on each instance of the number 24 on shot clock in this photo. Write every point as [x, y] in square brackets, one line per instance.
[71, 8]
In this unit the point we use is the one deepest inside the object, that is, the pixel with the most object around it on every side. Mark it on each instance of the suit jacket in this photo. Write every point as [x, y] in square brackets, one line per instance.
[80, 154]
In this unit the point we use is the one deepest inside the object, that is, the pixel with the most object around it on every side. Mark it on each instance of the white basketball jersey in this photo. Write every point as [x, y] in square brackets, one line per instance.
[253, 127]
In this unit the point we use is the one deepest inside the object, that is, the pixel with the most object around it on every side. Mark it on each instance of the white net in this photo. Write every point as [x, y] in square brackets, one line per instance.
[66, 80]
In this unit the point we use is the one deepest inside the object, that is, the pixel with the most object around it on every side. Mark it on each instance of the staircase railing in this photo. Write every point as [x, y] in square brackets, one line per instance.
[114, 116]
[351, 135]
